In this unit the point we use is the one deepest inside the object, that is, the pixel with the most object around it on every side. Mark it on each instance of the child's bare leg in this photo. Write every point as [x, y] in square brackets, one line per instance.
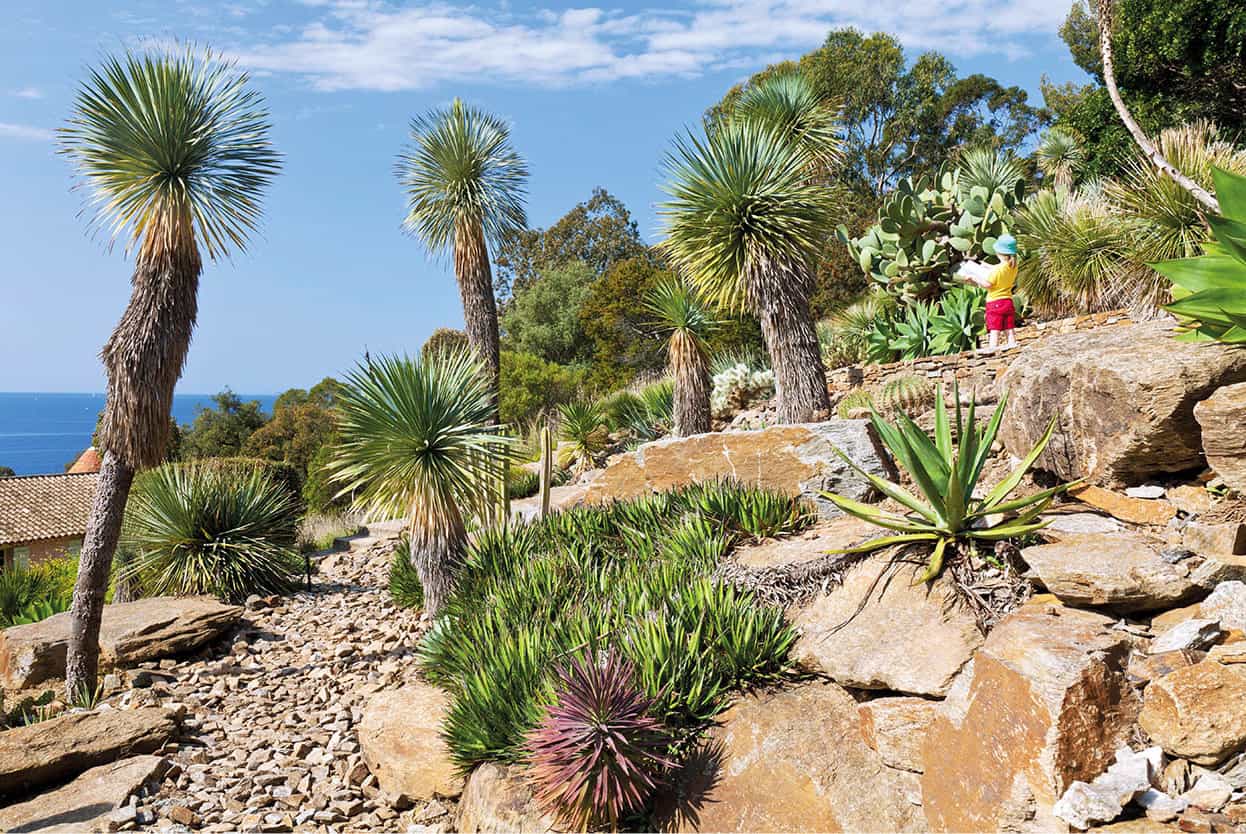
[1010, 338]
[992, 340]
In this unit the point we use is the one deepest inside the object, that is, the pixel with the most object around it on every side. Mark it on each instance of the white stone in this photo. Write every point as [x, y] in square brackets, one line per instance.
[1083, 523]
[1191, 634]
[1084, 804]
[1160, 806]
[1151, 491]
[1227, 602]
[1210, 792]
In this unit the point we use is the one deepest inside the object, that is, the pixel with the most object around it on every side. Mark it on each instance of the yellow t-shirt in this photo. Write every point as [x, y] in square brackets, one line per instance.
[1002, 276]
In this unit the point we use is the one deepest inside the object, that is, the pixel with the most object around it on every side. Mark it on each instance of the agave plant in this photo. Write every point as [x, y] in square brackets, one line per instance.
[200, 529]
[946, 472]
[417, 441]
[687, 321]
[582, 426]
[1210, 291]
[914, 331]
[960, 320]
[599, 753]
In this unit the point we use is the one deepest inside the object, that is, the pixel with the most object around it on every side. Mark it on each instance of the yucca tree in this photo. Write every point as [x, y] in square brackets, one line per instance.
[173, 150]
[687, 321]
[465, 189]
[791, 105]
[1061, 156]
[746, 223]
[417, 442]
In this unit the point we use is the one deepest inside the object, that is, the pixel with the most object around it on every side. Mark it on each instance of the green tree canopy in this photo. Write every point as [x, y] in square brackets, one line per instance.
[597, 233]
[222, 429]
[530, 385]
[543, 318]
[443, 340]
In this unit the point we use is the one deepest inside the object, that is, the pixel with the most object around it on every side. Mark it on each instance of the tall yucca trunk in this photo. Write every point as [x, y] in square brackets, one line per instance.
[143, 359]
[438, 537]
[692, 386]
[778, 292]
[480, 311]
[1106, 9]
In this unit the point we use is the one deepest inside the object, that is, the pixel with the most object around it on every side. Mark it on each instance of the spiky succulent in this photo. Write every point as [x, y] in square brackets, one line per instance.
[598, 755]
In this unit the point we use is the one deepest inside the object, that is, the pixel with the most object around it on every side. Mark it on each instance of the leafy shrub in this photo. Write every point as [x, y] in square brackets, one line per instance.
[632, 577]
[211, 529]
[404, 581]
[598, 753]
[950, 325]
[31, 594]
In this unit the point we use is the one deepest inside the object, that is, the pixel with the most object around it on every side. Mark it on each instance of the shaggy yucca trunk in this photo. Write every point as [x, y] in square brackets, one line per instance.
[1106, 10]
[692, 386]
[778, 293]
[143, 359]
[480, 311]
[438, 537]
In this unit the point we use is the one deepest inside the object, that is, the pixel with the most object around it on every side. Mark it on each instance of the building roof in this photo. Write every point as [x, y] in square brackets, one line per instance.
[34, 507]
[88, 461]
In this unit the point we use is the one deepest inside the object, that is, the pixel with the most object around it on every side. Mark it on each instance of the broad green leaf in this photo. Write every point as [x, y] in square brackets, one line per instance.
[873, 515]
[1203, 273]
[1010, 483]
[887, 541]
[1230, 192]
[935, 567]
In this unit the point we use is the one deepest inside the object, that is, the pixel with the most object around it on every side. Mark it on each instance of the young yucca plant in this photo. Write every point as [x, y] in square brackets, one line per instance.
[404, 582]
[417, 441]
[582, 425]
[687, 321]
[201, 529]
[946, 472]
[598, 754]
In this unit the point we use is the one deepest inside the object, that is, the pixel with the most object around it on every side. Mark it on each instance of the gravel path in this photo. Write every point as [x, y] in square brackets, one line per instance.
[269, 740]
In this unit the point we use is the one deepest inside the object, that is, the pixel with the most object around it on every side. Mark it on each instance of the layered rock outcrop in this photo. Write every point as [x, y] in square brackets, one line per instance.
[1123, 401]
[1222, 418]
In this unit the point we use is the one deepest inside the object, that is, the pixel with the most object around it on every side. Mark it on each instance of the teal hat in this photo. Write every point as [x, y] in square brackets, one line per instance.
[1006, 245]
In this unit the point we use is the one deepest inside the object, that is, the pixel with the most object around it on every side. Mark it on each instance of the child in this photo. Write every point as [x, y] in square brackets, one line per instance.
[997, 280]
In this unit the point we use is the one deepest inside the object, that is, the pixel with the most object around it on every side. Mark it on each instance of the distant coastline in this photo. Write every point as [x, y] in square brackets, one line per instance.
[40, 432]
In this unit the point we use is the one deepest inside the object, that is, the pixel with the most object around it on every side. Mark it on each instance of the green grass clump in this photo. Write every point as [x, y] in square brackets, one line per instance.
[632, 577]
[404, 582]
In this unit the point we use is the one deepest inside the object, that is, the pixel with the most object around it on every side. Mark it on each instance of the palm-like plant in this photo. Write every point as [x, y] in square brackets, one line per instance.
[1061, 156]
[174, 153]
[789, 104]
[417, 442]
[465, 189]
[679, 313]
[582, 426]
[996, 171]
[745, 222]
[946, 472]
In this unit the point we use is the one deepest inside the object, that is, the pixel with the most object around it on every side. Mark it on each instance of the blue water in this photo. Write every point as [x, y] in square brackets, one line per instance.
[40, 433]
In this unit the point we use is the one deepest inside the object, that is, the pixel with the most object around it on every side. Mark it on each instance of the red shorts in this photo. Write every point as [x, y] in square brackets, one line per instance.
[1000, 314]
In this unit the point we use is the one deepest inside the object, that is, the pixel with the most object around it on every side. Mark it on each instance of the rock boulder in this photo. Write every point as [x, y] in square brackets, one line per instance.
[1123, 400]
[796, 459]
[498, 799]
[84, 804]
[399, 736]
[1222, 417]
[62, 747]
[908, 638]
[131, 632]
[896, 728]
[792, 760]
[1196, 712]
[1045, 703]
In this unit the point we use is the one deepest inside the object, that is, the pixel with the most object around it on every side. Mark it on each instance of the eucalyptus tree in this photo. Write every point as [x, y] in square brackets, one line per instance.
[687, 322]
[749, 215]
[416, 442]
[173, 151]
[465, 189]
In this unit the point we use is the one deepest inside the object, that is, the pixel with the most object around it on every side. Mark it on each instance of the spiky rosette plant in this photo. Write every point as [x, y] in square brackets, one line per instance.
[598, 755]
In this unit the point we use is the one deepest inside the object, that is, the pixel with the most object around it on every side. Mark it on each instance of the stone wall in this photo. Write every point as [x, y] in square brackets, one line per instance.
[973, 371]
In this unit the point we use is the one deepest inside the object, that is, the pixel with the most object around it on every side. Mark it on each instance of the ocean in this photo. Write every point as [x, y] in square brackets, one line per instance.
[40, 433]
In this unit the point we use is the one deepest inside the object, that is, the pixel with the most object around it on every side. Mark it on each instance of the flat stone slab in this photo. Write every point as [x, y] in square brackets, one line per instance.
[62, 747]
[400, 738]
[87, 801]
[131, 632]
[1117, 570]
[799, 460]
[825, 537]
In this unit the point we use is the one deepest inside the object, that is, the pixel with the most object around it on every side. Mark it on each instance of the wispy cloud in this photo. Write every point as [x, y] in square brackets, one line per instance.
[28, 92]
[27, 132]
[375, 45]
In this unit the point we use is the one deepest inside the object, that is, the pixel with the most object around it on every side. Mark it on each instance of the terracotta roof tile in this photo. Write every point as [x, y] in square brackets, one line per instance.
[88, 461]
[34, 507]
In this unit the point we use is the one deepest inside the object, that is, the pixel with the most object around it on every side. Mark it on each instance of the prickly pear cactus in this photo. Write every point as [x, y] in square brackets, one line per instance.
[926, 229]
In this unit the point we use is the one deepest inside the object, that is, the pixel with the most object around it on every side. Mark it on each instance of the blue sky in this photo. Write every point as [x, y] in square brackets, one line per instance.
[594, 95]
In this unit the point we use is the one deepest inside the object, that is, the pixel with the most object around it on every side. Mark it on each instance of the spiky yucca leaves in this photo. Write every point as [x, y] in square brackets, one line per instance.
[201, 529]
[416, 441]
[173, 151]
[996, 171]
[688, 322]
[790, 104]
[582, 426]
[946, 473]
[1061, 156]
[1209, 292]
[598, 754]
[745, 222]
[404, 582]
[465, 187]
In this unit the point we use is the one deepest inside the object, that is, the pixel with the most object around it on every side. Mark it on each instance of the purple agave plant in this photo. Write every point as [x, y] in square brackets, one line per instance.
[598, 754]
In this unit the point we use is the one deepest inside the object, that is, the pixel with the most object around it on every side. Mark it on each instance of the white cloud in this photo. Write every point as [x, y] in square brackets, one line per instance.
[27, 132]
[28, 92]
[376, 45]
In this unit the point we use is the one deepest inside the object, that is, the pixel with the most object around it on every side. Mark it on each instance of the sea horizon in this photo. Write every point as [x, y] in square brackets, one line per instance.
[43, 431]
